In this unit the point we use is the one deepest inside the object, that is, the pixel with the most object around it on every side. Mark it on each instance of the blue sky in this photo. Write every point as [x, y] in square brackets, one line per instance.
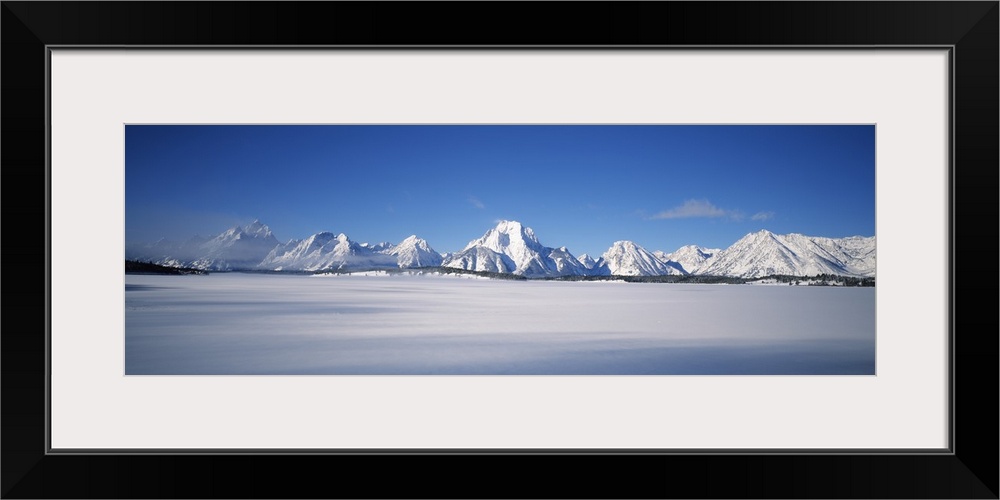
[579, 186]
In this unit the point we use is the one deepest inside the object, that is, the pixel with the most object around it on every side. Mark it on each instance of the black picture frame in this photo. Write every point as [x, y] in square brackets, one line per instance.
[969, 28]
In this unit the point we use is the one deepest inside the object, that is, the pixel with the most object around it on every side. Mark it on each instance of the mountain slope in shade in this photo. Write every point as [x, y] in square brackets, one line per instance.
[690, 258]
[511, 247]
[764, 253]
[625, 258]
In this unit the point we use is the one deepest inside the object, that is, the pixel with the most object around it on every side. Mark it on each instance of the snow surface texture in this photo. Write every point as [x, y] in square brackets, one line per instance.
[511, 247]
[235, 323]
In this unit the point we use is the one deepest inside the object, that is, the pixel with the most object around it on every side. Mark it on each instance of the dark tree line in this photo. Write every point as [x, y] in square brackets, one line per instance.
[145, 267]
[141, 267]
[823, 280]
[425, 270]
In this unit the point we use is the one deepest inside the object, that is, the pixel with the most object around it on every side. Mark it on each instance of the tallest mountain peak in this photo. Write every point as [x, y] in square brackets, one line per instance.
[511, 247]
[508, 225]
[507, 234]
[514, 227]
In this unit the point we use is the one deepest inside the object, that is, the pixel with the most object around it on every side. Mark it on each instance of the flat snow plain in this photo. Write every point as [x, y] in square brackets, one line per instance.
[236, 323]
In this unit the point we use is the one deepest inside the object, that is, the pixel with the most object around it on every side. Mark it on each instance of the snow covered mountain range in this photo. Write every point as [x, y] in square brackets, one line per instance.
[511, 247]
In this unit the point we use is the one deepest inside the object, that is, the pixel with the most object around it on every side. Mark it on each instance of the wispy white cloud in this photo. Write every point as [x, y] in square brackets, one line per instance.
[694, 208]
[475, 202]
[762, 216]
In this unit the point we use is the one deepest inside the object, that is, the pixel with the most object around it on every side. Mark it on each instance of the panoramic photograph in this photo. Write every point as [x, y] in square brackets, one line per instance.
[500, 250]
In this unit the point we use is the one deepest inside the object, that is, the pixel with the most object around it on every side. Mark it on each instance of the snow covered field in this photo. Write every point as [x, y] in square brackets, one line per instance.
[235, 323]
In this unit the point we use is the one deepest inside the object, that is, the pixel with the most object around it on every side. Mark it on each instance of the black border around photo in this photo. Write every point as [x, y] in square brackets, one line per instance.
[969, 28]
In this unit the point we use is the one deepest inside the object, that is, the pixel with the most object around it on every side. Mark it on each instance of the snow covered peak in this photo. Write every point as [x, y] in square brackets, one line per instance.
[515, 229]
[625, 258]
[321, 238]
[764, 253]
[624, 244]
[624, 247]
[511, 247]
[690, 257]
[507, 235]
[587, 261]
[382, 247]
[254, 230]
[508, 226]
[763, 233]
[415, 252]
[231, 233]
[236, 248]
[257, 229]
[414, 242]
